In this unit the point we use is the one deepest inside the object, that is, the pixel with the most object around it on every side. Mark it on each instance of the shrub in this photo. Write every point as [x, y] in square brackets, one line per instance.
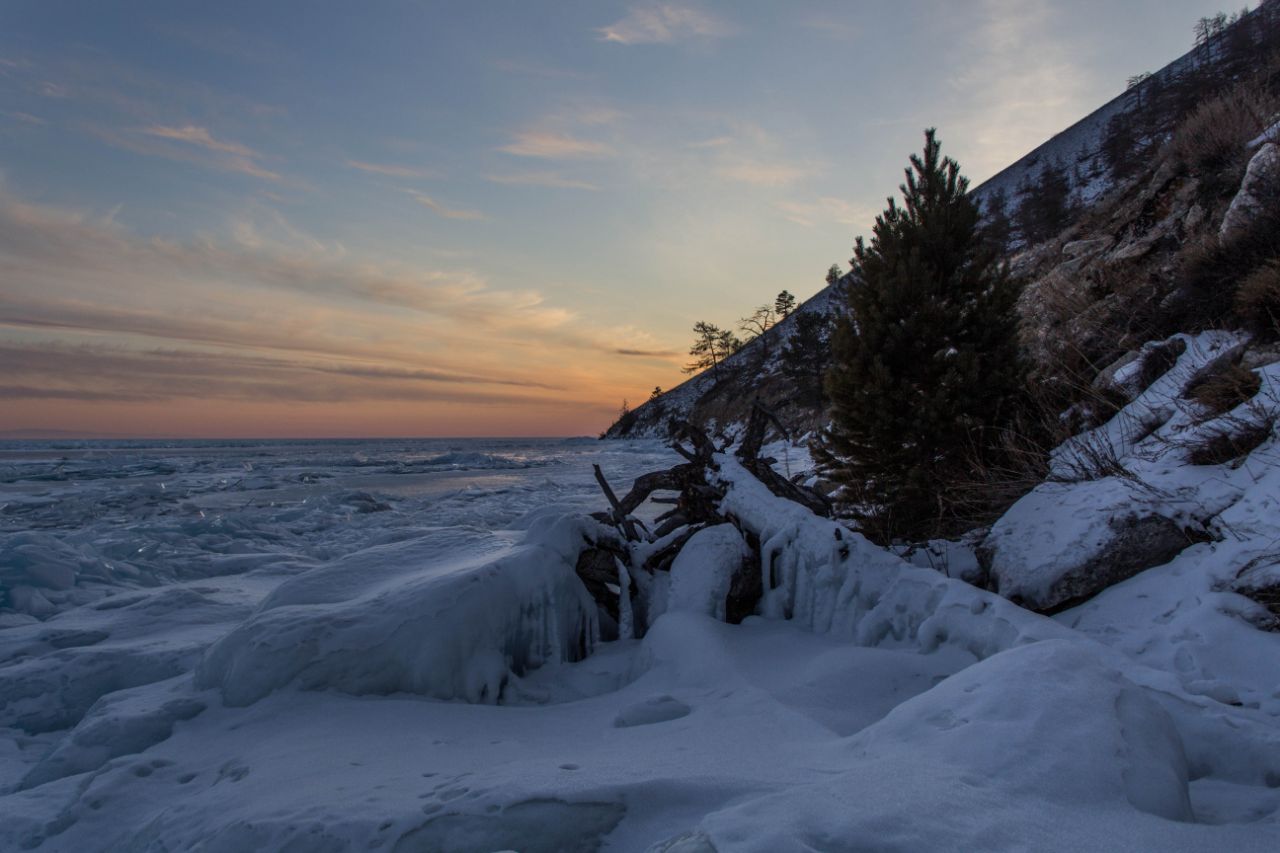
[1257, 300]
[1222, 446]
[1210, 272]
[1222, 390]
[1211, 141]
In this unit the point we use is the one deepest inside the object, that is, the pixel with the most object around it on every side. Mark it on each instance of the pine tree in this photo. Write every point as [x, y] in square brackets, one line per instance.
[1046, 204]
[712, 346]
[925, 362]
[806, 356]
[999, 228]
[784, 304]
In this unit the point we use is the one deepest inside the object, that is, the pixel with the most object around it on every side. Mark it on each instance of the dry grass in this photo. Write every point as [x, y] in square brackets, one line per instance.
[1226, 445]
[1211, 272]
[1222, 390]
[1257, 300]
[1211, 141]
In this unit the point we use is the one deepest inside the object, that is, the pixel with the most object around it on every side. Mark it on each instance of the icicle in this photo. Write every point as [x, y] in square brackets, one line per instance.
[626, 620]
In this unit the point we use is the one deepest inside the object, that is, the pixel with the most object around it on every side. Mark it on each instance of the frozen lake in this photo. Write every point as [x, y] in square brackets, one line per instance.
[364, 645]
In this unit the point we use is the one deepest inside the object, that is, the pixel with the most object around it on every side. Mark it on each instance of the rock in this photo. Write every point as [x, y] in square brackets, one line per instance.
[1195, 218]
[1065, 542]
[1259, 581]
[1084, 248]
[1106, 378]
[1260, 356]
[1137, 248]
[1261, 176]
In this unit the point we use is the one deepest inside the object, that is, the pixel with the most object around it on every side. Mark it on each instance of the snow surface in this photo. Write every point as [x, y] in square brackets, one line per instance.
[293, 698]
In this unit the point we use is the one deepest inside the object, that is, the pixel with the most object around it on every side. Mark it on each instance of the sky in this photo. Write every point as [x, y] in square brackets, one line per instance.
[393, 218]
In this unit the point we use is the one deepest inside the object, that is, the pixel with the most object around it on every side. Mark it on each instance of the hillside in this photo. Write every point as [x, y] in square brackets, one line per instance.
[1102, 182]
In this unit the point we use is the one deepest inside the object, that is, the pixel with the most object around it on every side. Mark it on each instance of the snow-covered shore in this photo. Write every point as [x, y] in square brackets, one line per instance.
[295, 703]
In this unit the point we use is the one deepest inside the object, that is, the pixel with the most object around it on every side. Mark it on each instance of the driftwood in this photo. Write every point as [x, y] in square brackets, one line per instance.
[749, 454]
[696, 507]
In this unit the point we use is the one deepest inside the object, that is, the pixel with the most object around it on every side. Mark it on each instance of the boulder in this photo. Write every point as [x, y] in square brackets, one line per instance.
[1065, 542]
[1086, 248]
[1106, 378]
[1260, 179]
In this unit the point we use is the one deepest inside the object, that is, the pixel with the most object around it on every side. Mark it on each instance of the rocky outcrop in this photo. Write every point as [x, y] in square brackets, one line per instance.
[1261, 181]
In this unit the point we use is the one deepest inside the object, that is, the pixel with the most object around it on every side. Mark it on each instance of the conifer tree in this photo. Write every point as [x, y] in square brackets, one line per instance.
[925, 363]
[1046, 204]
[806, 356]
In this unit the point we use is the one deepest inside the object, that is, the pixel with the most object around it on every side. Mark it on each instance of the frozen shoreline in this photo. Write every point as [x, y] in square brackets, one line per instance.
[262, 679]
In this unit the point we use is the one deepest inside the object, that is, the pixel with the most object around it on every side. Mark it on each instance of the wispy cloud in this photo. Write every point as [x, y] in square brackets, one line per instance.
[826, 210]
[840, 29]
[442, 209]
[1022, 87]
[551, 145]
[24, 118]
[200, 136]
[143, 329]
[186, 144]
[663, 23]
[392, 171]
[98, 373]
[764, 173]
[647, 353]
[542, 179]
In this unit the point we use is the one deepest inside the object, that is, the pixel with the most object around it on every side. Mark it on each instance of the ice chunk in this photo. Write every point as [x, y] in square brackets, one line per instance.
[453, 629]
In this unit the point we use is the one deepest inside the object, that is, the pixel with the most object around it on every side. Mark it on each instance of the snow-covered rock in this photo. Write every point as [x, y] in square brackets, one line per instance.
[1066, 541]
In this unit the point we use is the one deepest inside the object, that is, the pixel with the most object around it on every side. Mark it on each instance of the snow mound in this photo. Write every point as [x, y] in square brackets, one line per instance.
[958, 767]
[125, 722]
[452, 629]
[704, 569]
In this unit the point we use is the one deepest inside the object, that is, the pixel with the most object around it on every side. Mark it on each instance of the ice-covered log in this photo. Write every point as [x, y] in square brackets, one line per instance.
[705, 569]
[450, 630]
[824, 576]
